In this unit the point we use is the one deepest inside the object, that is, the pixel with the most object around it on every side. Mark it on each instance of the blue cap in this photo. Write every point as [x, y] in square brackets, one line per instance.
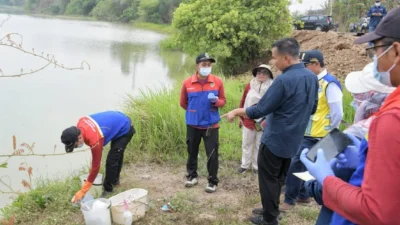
[312, 56]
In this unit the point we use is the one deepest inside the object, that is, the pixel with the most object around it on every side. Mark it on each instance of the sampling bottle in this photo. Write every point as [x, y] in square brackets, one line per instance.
[128, 216]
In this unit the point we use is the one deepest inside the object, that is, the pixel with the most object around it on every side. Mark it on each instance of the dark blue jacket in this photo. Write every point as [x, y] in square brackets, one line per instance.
[374, 20]
[288, 105]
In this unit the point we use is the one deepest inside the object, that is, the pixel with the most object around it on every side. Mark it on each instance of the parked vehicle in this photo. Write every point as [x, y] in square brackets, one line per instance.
[317, 22]
[361, 27]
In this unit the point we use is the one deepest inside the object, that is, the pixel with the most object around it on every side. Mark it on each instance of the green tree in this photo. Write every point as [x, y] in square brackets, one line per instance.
[236, 31]
[148, 10]
[166, 9]
[80, 7]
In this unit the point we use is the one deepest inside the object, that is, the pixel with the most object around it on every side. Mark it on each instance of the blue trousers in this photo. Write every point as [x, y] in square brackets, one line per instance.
[370, 29]
[295, 186]
[314, 190]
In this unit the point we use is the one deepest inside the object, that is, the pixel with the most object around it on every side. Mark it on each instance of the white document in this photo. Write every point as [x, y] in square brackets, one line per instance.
[306, 176]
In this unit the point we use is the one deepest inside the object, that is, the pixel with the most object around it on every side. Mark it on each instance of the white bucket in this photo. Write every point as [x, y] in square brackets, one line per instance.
[97, 186]
[97, 215]
[137, 200]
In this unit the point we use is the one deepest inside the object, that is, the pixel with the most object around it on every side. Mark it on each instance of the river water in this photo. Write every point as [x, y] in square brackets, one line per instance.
[36, 108]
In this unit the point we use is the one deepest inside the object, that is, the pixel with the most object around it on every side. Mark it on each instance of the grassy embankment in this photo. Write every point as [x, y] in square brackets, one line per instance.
[159, 146]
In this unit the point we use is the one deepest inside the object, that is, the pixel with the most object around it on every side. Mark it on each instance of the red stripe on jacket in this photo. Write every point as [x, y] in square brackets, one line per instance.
[92, 138]
[377, 200]
[248, 123]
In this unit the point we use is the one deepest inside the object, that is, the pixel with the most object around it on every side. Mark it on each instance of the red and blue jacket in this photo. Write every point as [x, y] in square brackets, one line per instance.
[200, 112]
[98, 130]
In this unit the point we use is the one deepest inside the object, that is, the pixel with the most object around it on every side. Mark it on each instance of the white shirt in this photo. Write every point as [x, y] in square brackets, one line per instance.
[334, 96]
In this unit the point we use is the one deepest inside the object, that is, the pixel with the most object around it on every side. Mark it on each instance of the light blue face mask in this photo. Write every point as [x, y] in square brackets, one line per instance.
[205, 71]
[80, 146]
[382, 77]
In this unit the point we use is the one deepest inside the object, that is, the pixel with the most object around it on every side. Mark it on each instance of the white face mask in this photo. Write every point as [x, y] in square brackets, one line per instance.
[80, 146]
[377, 4]
[382, 77]
[205, 71]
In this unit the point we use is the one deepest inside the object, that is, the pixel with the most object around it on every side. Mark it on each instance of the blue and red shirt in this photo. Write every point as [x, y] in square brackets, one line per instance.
[200, 112]
[98, 130]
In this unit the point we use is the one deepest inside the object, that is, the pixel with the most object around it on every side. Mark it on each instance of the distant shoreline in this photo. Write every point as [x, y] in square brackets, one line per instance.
[161, 28]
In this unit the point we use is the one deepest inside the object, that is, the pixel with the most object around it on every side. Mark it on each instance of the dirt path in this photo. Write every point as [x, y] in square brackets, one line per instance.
[231, 204]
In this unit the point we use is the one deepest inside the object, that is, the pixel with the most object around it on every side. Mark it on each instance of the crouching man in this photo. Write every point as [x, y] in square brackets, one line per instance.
[96, 131]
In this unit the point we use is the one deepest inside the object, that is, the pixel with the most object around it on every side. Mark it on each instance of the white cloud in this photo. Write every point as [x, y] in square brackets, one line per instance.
[306, 5]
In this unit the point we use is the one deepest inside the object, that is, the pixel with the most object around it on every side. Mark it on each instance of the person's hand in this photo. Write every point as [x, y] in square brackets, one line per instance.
[230, 116]
[212, 97]
[319, 169]
[79, 195]
[350, 158]
[240, 123]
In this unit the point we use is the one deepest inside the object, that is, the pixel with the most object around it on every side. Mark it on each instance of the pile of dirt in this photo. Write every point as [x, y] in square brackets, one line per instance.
[341, 55]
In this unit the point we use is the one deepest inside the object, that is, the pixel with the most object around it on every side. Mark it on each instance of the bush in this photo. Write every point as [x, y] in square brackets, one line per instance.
[236, 31]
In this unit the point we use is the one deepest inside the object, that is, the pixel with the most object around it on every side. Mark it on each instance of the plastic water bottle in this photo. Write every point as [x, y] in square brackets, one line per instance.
[128, 216]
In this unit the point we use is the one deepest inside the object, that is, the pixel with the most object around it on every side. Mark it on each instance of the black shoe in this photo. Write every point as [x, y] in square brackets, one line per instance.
[259, 220]
[257, 211]
[242, 170]
[105, 193]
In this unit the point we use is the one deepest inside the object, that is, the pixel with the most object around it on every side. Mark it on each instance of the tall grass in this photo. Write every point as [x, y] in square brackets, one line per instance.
[161, 129]
[162, 28]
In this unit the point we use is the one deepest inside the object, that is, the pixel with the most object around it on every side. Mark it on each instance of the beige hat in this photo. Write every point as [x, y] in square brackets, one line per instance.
[263, 66]
[364, 81]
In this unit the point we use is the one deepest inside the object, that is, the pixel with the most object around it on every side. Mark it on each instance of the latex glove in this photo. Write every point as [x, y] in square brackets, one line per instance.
[319, 169]
[212, 98]
[79, 195]
[350, 158]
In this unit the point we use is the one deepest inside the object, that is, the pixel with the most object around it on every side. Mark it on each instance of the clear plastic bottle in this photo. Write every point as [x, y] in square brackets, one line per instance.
[128, 216]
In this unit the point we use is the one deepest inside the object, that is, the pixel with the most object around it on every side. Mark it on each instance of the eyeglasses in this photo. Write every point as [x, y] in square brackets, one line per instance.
[371, 51]
[264, 72]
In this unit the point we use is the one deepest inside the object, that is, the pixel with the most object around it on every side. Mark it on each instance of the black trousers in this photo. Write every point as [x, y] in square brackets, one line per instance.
[115, 159]
[271, 170]
[193, 138]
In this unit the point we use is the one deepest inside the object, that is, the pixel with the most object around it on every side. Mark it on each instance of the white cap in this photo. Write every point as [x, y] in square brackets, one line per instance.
[364, 81]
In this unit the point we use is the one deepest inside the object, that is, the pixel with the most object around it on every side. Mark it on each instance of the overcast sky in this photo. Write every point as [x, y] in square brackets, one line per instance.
[306, 5]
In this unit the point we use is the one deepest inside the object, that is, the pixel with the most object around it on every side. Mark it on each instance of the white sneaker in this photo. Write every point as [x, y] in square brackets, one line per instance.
[191, 182]
[211, 188]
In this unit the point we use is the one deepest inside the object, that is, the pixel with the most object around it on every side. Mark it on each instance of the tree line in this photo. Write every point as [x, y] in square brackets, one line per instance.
[155, 11]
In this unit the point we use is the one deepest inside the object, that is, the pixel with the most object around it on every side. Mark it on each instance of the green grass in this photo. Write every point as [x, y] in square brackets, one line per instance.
[348, 111]
[48, 203]
[162, 28]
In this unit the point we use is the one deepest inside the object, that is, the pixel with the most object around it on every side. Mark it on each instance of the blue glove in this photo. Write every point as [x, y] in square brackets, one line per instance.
[212, 98]
[350, 158]
[319, 169]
